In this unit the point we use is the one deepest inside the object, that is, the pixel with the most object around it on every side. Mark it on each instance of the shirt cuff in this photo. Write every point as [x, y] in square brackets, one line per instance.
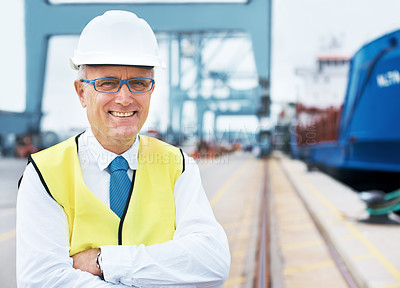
[116, 262]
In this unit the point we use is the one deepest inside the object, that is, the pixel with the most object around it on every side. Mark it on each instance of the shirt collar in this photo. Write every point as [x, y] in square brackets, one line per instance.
[104, 157]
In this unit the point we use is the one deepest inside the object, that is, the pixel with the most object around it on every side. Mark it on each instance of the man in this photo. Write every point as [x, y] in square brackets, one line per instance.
[109, 208]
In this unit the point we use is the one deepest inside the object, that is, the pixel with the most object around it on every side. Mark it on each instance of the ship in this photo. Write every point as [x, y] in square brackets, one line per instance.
[358, 142]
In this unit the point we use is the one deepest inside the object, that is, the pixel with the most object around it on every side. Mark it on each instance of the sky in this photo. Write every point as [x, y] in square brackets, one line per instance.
[301, 30]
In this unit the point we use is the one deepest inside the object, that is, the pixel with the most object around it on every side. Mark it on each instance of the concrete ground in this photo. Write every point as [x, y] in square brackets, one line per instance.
[10, 172]
[370, 252]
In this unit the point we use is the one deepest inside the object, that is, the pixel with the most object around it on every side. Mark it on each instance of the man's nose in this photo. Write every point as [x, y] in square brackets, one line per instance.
[124, 96]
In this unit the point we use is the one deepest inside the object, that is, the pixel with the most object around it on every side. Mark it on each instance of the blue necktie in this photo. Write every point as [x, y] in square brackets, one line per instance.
[119, 185]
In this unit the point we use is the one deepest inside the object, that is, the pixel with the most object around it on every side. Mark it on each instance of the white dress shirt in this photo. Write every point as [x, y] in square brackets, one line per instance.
[198, 255]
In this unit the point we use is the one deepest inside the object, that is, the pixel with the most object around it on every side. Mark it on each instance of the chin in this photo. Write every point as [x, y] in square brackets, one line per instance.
[126, 134]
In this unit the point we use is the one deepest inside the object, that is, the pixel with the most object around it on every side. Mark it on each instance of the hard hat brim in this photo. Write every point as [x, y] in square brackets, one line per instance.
[147, 61]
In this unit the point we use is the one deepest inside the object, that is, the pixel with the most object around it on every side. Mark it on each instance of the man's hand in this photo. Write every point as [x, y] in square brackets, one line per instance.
[86, 261]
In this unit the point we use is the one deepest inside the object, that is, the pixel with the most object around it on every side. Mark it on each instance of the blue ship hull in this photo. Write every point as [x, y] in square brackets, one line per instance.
[363, 166]
[367, 152]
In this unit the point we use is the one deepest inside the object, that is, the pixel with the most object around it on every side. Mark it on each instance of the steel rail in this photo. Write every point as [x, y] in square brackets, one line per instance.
[262, 277]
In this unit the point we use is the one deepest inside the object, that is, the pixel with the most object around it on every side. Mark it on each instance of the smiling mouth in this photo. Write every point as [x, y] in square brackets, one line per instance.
[122, 114]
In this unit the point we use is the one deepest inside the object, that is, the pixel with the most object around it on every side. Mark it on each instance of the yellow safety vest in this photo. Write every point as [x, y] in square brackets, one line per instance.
[150, 217]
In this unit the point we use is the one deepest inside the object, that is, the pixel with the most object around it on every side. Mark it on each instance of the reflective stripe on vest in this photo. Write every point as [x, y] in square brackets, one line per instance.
[150, 216]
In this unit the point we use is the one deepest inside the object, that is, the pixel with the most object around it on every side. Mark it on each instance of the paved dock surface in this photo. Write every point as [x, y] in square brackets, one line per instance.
[234, 187]
[10, 172]
[300, 256]
[301, 204]
[370, 251]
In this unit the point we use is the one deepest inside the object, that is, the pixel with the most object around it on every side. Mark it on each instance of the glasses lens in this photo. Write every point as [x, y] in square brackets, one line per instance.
[107, 85]
[140, 85]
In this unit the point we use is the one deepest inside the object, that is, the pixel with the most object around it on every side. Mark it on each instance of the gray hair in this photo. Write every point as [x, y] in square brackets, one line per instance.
[82, 72]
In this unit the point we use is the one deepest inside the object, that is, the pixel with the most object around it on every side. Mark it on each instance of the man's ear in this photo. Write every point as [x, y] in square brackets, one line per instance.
[80, 92]
[152, 90]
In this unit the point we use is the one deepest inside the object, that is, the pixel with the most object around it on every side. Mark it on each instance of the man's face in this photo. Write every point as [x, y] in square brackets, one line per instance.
[115, 118]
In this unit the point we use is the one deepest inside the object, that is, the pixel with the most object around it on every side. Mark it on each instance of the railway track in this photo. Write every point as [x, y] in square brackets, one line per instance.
[305, 256]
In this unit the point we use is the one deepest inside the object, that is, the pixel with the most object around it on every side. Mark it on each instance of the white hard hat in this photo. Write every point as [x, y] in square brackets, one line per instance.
[117, 38]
